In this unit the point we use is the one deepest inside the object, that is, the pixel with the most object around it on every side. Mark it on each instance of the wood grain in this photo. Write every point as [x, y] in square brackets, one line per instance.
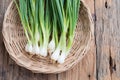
[107, 32]
[102, 61]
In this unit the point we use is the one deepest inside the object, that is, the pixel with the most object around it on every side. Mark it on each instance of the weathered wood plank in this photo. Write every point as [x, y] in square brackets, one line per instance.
[3, 52]
[86, 69]
[108, 39]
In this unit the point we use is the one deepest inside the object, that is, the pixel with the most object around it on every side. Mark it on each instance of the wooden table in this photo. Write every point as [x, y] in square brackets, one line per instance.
[102, 61]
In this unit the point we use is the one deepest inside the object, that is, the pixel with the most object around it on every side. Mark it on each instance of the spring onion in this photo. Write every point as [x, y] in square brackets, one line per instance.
[49, 26]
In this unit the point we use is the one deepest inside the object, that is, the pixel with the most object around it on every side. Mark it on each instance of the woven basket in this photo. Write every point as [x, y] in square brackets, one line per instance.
[15, 41]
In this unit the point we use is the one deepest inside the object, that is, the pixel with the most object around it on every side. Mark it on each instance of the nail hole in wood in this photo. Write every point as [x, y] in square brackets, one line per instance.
[110, 61]
[111, 64]
[114, 67]
[89, 75]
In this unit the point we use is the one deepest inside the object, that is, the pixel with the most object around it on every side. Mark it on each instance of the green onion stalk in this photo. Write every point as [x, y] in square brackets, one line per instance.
[54, 46]
[54, 41]
[35, 5]
[22, 10]
[44, 21]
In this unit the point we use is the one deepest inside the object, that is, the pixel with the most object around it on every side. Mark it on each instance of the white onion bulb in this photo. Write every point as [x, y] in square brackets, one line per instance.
[28, 48]
[51, 46]
[43, 52]
[61, 58]
[36, 49]
[55, 54]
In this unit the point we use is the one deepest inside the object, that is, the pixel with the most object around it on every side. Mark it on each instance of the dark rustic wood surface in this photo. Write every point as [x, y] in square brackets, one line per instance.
[102, 61]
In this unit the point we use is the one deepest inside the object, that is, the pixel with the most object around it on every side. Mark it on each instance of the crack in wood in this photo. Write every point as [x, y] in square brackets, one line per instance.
[95, 38]
[111, 63]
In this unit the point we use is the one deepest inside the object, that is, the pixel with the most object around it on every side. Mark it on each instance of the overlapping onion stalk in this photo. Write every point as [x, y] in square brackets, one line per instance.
[49, 26]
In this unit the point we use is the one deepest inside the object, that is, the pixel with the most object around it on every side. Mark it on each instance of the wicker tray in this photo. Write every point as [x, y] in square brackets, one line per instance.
[15, 41]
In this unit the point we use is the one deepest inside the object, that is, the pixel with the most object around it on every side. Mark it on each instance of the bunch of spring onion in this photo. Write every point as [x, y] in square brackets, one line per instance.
[49, 26]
